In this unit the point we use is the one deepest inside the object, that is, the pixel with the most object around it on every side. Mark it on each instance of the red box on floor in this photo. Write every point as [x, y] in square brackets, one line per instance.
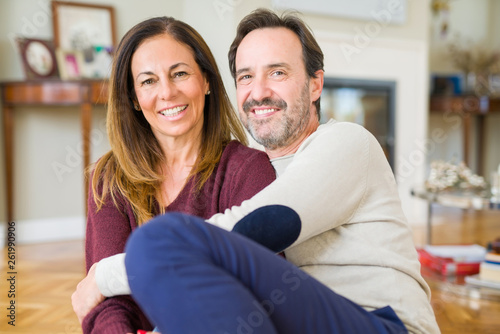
[447, 265]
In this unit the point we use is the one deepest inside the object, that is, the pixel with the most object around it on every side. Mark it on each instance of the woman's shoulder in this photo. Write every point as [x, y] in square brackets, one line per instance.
[235, 149]
[236, 154]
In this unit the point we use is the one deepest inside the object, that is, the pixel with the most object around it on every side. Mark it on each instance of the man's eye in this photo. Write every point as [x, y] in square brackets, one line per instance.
[278, 73]
[244, 77]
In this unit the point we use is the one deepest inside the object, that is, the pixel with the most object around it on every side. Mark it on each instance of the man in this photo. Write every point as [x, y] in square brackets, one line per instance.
[360, 272]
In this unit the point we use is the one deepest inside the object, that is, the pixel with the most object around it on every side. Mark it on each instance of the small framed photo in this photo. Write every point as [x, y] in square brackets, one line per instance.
[38, 58]
[446, 85]
[89, 29]
[70, 63]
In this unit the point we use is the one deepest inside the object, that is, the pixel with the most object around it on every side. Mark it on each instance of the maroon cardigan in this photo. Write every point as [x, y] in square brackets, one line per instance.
[241, 173]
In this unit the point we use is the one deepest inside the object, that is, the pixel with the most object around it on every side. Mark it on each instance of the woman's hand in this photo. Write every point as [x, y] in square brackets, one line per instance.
[87, 295]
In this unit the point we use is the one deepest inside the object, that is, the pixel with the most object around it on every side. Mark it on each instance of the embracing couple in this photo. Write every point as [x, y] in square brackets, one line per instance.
[185, 222]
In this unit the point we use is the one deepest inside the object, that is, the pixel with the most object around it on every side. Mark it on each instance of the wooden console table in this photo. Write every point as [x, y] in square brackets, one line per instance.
[467, 107]
[46, 93]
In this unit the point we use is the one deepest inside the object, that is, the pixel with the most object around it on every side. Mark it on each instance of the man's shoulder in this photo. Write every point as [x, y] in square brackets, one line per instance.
[333, 136]
[345, 131]
[334, 125]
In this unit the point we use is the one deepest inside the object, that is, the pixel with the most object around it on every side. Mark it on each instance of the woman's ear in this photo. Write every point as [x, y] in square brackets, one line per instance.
[134, 100]
[136, 104]
[207, 86]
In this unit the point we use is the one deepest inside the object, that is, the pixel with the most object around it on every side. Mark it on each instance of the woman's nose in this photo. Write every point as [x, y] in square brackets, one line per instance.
[167, 90]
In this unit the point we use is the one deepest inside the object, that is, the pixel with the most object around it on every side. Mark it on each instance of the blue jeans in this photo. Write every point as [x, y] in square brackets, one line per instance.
[191, 277]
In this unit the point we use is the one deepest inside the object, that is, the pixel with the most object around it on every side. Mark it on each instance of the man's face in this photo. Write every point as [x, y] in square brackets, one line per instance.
[274, 92]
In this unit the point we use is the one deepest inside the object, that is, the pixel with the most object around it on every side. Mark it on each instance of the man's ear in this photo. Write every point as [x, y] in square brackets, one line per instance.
[316, 85]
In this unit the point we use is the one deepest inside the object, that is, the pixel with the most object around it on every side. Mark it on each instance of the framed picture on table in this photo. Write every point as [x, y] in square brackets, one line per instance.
[70, 64]
[89, 29]
[38, 58]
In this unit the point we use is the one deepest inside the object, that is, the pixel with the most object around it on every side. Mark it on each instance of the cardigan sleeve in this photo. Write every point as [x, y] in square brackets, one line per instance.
[107, 232]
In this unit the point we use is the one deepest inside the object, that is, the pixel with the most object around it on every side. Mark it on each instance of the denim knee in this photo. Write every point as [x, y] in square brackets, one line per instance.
[152, 243]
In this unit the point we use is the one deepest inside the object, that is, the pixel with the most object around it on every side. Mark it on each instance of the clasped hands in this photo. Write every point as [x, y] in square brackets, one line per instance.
[87, 295]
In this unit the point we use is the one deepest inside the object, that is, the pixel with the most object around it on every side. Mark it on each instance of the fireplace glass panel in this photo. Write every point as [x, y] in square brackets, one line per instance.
[365, 102]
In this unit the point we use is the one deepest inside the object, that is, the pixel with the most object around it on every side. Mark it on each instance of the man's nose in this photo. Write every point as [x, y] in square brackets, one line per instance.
[260, 89]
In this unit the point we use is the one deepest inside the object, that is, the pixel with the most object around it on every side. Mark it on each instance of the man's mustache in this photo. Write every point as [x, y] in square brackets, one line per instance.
[248, 104]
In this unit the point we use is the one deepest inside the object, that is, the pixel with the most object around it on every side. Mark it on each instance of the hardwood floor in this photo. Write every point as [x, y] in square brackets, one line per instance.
[458, 309]
[48, 273]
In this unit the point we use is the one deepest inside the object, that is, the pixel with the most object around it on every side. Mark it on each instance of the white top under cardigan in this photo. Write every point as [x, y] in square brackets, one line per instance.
[354, 238]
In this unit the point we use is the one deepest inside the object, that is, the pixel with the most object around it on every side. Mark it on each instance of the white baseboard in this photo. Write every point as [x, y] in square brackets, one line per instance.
[46, 230]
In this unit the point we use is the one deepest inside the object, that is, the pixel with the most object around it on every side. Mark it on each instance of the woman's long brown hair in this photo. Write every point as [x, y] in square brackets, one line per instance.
[132, 168]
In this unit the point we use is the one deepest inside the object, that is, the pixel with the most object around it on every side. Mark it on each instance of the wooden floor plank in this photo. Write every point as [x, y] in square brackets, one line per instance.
[46, 277]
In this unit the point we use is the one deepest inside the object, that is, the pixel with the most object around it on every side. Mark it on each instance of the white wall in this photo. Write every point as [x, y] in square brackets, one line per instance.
[45, 136]
[477, 23]
[494, 24]
[218, 32]
[467, 19]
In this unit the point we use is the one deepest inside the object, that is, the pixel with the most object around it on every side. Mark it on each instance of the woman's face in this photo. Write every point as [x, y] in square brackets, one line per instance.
[170, 88]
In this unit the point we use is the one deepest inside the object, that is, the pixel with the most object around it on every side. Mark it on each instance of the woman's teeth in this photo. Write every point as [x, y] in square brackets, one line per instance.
[173, 111]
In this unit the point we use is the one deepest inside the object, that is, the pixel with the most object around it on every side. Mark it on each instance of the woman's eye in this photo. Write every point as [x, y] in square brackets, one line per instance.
[180, 74]
[147, 82]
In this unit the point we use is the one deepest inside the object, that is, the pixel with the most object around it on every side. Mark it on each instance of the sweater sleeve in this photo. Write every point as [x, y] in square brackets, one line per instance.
[117, 315]
[108, 227]
[326, 178]
[107, 231]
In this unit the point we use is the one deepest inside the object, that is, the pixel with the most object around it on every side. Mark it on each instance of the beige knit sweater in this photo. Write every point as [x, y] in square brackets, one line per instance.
[355, 237]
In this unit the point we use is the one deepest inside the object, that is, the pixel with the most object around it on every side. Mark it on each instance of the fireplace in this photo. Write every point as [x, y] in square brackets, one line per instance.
[370, 103]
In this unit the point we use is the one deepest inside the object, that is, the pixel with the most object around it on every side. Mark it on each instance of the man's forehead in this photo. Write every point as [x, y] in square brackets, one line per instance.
[268, 46]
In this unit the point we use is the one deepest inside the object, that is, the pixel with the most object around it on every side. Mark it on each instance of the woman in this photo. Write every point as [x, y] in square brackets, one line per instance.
[170, 124]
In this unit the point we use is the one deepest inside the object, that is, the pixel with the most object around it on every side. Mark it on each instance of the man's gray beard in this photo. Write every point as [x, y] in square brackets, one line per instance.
[289, 129]
[269, 141]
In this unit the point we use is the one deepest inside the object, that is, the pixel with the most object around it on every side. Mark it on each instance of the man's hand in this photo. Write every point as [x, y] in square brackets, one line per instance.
[87, 295]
